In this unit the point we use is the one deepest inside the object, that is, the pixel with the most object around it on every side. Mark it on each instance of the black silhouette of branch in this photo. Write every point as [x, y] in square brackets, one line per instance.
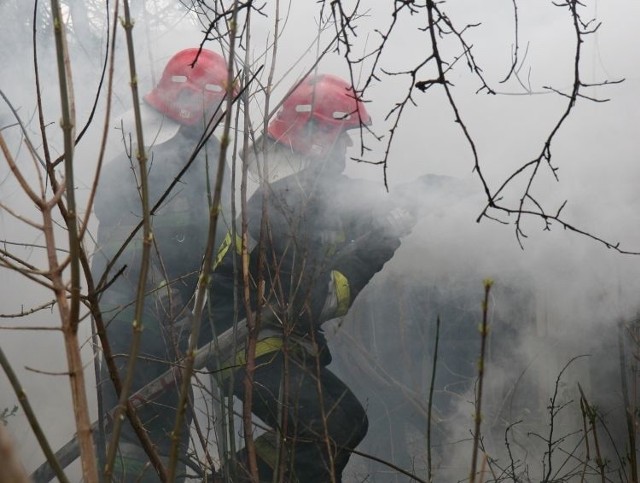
[531, 169]
[554, 409]
[440, 26]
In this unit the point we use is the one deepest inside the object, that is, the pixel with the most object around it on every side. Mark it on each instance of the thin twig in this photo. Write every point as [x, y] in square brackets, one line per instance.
[31, 417]
[484, 332]
[137, 323]
[203, 281]
[430, 401]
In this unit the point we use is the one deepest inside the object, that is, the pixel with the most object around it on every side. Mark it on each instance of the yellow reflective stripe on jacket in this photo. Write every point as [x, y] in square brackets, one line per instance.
[343, 292]
[224, 248]
[263, 347]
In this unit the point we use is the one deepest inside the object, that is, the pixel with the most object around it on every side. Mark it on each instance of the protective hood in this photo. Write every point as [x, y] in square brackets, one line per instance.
[156, 127]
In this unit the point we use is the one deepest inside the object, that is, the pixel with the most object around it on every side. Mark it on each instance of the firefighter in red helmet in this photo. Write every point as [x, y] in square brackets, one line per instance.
[316, 237]
[316, 114]
[189, 95]
[192, 86]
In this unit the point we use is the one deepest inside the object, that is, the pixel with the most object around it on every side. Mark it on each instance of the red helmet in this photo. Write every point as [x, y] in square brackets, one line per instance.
[325, 99]
[186, 92]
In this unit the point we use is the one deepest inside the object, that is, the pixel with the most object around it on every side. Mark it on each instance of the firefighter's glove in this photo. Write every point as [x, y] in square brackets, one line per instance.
[398, 222]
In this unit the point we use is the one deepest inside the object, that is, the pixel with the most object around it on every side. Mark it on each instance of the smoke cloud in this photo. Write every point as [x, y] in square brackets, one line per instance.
[558, 297]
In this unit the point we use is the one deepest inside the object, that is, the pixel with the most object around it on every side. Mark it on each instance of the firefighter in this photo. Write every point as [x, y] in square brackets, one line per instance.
[175, 114]
[315, 238]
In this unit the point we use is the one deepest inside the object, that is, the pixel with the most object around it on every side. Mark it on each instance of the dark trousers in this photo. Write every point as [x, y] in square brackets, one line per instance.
[320, 417]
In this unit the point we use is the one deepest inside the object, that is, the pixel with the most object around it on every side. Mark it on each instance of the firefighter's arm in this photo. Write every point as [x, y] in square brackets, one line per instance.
[360, 259]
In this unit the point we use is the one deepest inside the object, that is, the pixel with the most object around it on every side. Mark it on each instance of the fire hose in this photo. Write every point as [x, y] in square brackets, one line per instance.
[220, 349]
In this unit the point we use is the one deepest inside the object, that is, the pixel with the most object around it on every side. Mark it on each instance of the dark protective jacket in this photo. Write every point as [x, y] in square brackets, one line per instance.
[180, 223]
[321, 236]
[179, 227]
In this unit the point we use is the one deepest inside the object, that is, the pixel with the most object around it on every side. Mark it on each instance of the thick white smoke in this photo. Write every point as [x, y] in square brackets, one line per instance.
[559, 297]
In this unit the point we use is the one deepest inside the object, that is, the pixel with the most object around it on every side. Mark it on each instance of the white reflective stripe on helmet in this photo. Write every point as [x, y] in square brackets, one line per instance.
[343, 116]
[340, 115]
[179, 78]
[213, 87]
